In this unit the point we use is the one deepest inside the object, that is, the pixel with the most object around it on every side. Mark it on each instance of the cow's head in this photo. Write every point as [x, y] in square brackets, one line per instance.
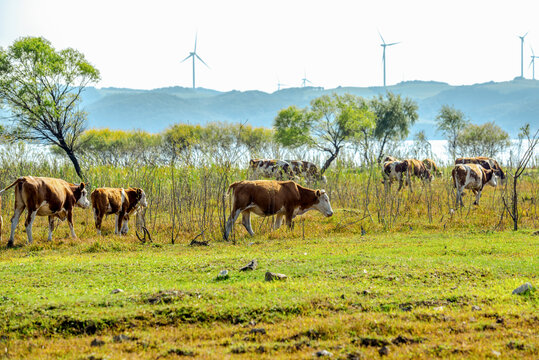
[490, 177]
[141, 198]
[81, 196]
[323, 204]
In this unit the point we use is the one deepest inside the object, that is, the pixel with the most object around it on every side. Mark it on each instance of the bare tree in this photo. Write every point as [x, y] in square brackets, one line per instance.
[532, 142]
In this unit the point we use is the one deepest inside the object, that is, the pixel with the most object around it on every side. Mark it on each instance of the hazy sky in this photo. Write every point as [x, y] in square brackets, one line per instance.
[253, 44]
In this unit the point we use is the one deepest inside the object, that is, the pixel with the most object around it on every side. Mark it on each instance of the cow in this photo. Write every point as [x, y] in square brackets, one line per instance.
[431, 166]
[473, 177]
[395, 170]
[403, 172]
[43, 196]
[120, 202]
[308, 170]
[390, 158]
[275, 169]
[485, 162]
[270, 197]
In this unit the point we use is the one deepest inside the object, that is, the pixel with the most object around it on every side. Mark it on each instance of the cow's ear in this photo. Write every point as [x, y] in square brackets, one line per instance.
[318, 193]
[251, 162]
[82, 185]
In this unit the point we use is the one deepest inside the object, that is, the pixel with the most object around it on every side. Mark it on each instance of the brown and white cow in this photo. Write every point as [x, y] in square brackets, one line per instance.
[275, 169]
[42, 196]
[270, 197]
[485, 162]
[307, 170]
[120, 202]
[473, 177]
[431, 166]
[404, 170]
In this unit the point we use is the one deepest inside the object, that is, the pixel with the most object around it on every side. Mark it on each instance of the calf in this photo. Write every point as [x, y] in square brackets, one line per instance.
[42, 196]
[276, 169]
[120, 202]
[485, 162]
[395, 170]
[473, 177]
[270, 197]
[307, 169]
[419, 170]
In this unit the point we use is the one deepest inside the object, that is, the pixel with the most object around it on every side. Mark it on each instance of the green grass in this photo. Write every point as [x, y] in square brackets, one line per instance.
[341, 289]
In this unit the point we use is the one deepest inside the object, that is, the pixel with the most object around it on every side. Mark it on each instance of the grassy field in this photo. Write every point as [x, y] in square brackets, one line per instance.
[421, 293]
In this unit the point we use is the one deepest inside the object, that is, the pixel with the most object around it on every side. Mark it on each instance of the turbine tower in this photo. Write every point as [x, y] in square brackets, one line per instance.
[279, 84]
[194, 55]
[532, 63]
[304, 81]
[522, 54]
[384, 45]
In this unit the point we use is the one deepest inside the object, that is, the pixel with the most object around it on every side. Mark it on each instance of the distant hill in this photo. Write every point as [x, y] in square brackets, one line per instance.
[510, 104]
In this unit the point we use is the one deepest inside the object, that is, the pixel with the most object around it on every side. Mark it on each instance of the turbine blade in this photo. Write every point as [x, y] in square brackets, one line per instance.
[395, 43]
[198, 57]
[196, 35]
[186, 58]
[383, 41]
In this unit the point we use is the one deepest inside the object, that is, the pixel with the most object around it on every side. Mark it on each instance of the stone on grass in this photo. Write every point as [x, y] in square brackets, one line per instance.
[438, 308]
[116, 291]
[260, 331]
[522, 289]
[384, 350]
[476, 308]
[120, 338]
[496, 353]
[251, 266]
[274, 276]
[97, 342]
[323, 353]
[223, 274]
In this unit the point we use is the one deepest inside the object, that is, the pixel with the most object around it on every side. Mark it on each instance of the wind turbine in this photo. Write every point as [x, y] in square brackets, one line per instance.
[304, 81]
[279, 84]
[532, 63]
[194, 55]
[384, 45]
[522, 54]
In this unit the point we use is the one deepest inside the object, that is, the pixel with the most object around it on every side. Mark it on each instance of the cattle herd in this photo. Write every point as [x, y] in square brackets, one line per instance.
[282, 196]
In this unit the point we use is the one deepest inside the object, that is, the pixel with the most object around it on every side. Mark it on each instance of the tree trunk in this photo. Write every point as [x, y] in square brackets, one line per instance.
[515, 206]
[74, 160]
[330, 160]
[381, 150]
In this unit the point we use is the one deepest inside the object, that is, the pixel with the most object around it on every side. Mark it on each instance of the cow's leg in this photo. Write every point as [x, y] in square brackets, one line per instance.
[459, 197]
[289, 216]
[15, 221]
[230, 222]
[477, 197]
[116, 224]
[278, 221]
[98, 217]
[28, 224]
[246, 221]
[125, 225]
[70, 222]
[401, 181]
[51, 227]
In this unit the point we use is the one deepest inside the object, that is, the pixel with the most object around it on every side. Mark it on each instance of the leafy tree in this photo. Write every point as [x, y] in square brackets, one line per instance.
[422, 148]
[182, 139]
[451, 122]
[394, 117]
[41, 88]
[328, 125]
[482, 140]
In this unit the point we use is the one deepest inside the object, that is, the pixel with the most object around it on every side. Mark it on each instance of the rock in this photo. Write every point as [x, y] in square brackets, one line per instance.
[438, 308]
[476, 308]
[363, 232]
[116, 291]
[522, 289]
[260, 331]
[97, 342]
[366, 292]
[496, 353]
[406, 307]
[499, 321]
[354, 356]
[251, 244]
[322, 353]
[251, 266]
[274, 276]
[384, 350]
[535, 233]
[472, 319]
[120, 338]
[223, 274]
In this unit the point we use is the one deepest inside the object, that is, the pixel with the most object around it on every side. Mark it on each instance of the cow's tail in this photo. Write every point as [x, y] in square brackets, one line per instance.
[21, 179]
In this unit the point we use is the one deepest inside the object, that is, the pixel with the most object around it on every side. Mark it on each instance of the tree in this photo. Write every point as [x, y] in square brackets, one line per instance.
[522, 162]
[422, 148]
[487, 140]
[394, 117]
[41, 89]
[451, 122]
[328, 125]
